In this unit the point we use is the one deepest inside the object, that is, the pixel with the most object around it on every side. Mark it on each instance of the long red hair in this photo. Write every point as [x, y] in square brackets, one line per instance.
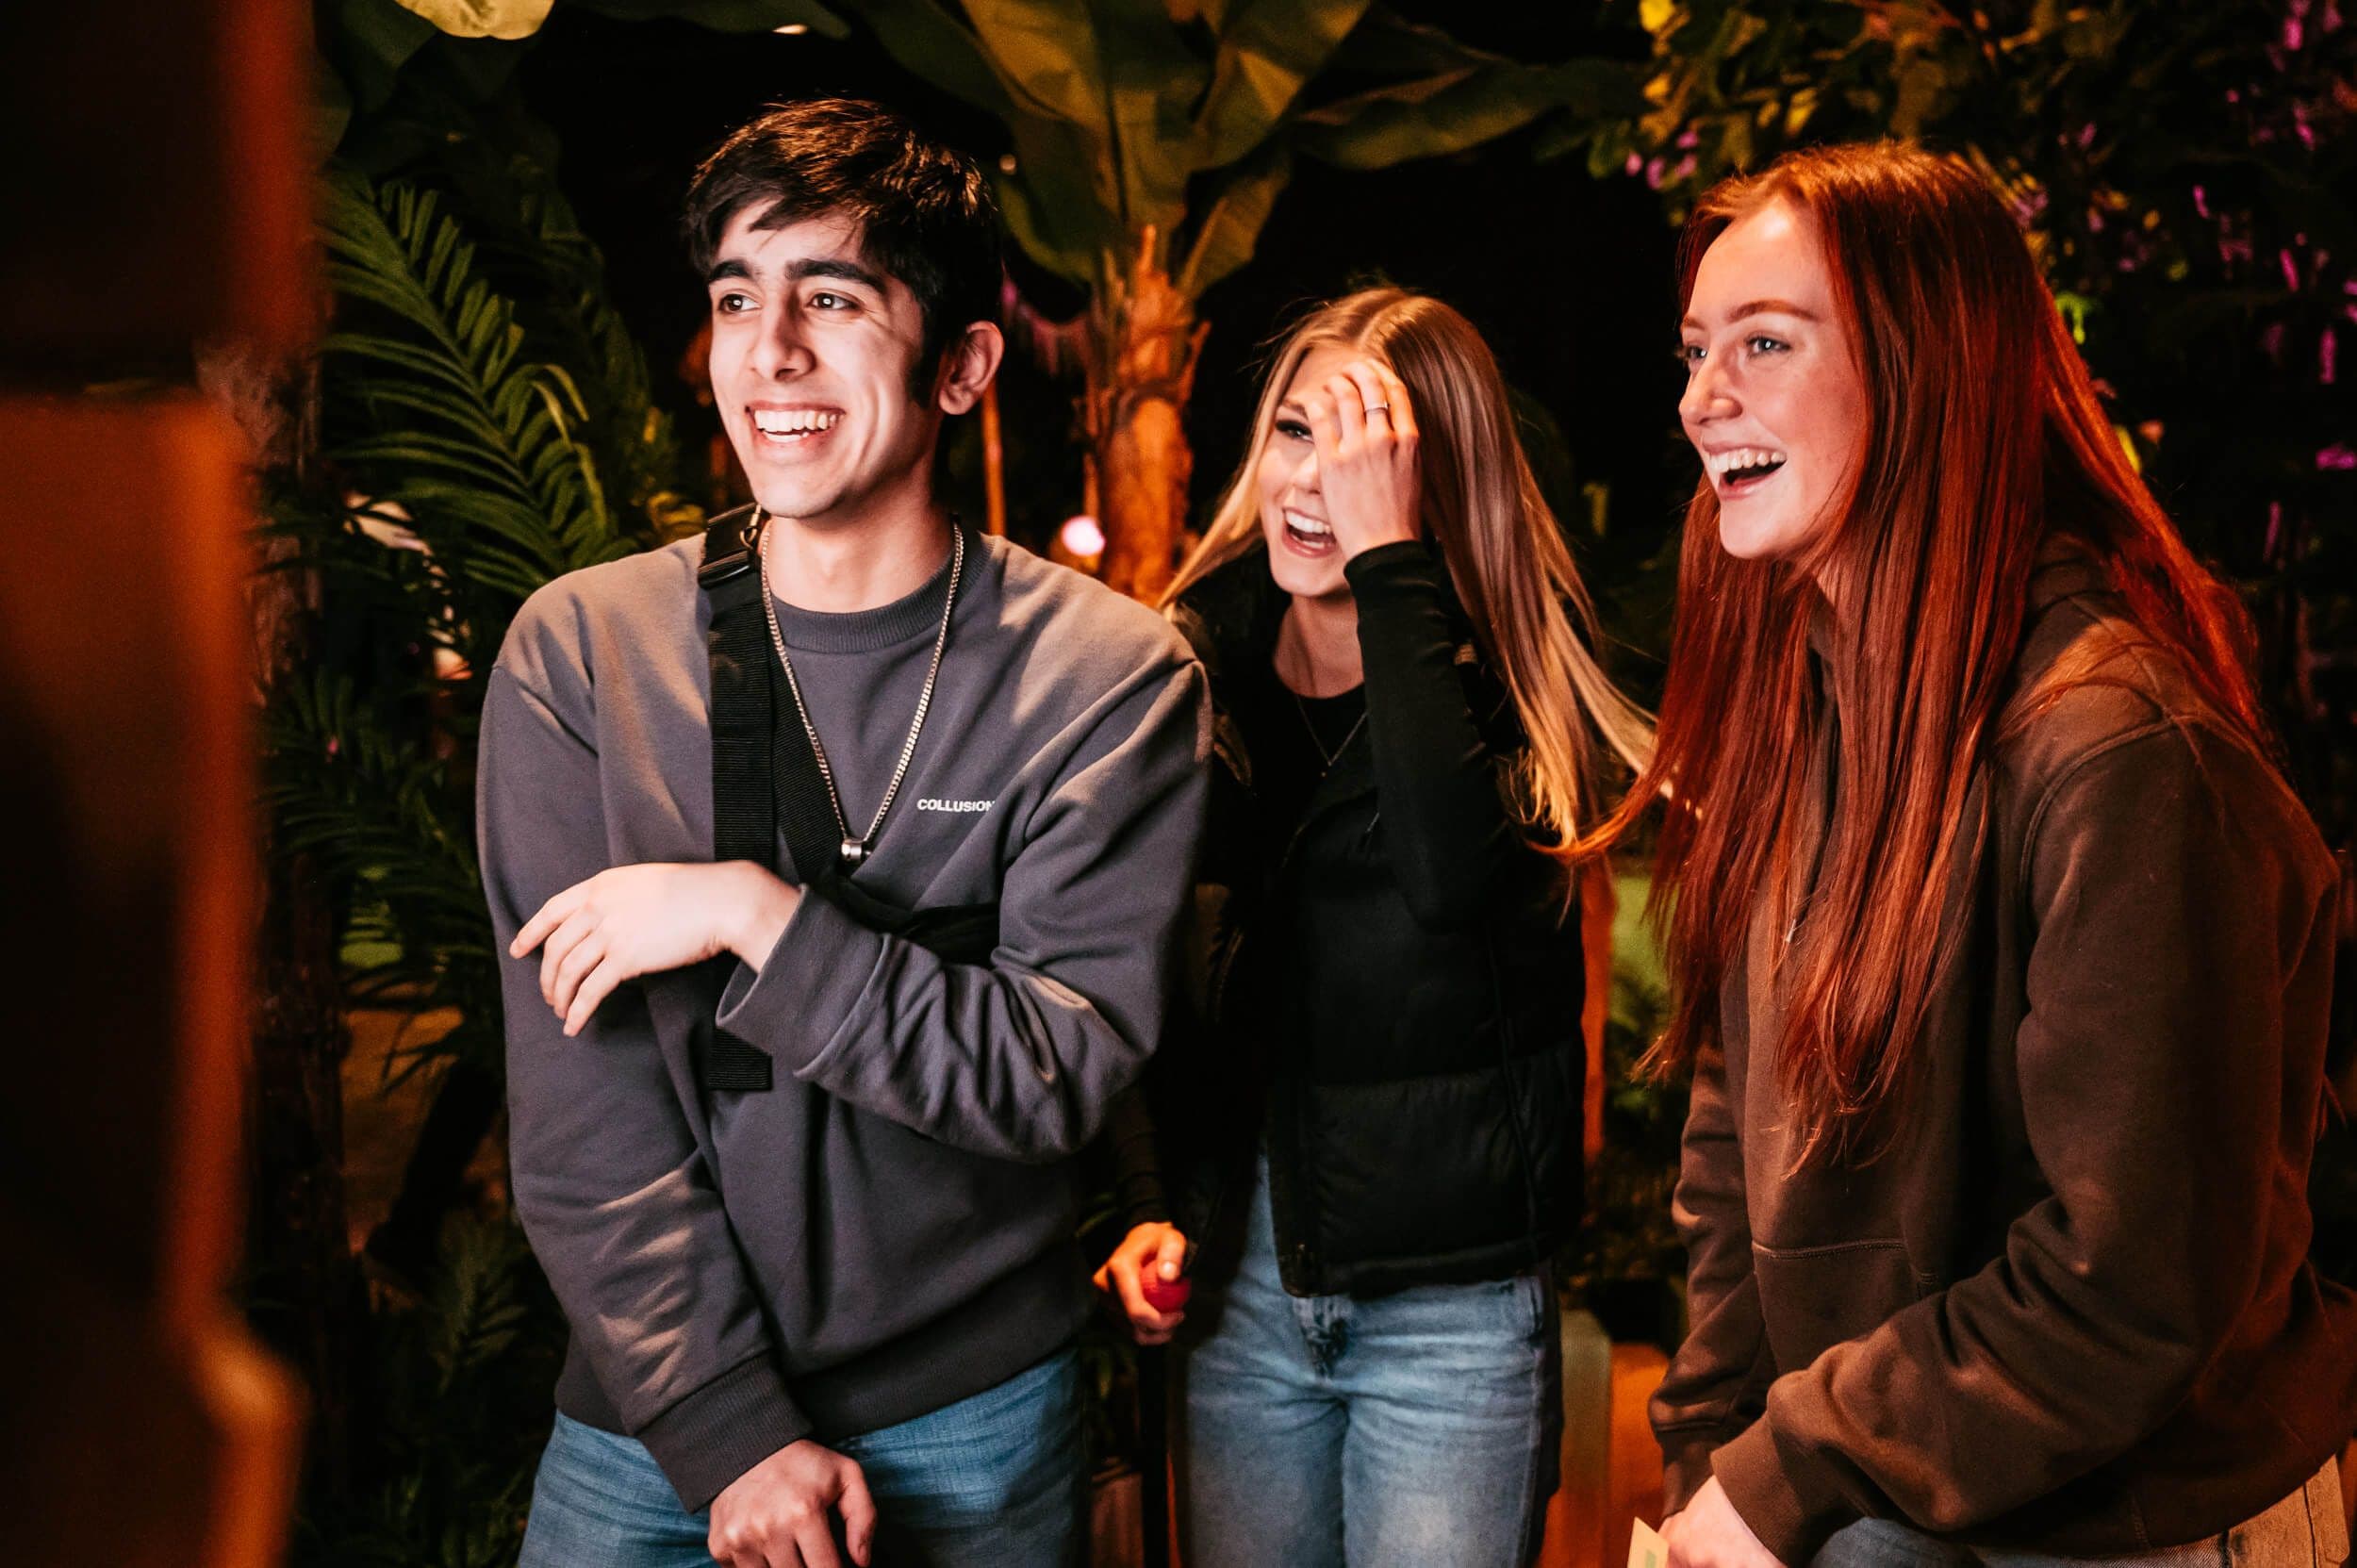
[1987, 439]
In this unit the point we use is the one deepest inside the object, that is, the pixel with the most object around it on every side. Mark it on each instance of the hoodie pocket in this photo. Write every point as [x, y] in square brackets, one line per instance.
[1815, 1298]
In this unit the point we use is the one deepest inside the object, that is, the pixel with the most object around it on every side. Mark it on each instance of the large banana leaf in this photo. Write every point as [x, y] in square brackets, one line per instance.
[1269, 50]
[1458, 109]
[1182, 114]
[934, 44]
[1231, 221]
[1058, 200]
[501, 19]
[1118, 70]
[726, 16]
[1048, 51]
[363, 45]
[515, 19]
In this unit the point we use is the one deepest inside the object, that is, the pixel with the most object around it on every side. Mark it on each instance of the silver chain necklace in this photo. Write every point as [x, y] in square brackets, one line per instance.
[855, 850]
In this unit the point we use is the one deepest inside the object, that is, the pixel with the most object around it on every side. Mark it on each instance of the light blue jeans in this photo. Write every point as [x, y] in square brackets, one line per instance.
[1421, 1427]
[2306, 1529]
[994, 1482]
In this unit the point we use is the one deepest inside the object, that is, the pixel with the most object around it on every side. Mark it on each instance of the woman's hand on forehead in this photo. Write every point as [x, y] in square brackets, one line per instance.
[1364, 427]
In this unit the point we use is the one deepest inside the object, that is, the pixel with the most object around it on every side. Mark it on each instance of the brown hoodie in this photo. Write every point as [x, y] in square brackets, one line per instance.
[2069, 1307]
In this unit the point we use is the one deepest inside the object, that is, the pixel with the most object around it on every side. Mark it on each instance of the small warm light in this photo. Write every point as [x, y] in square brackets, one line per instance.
[795, 29]
[1081, 536]
[1006, 163]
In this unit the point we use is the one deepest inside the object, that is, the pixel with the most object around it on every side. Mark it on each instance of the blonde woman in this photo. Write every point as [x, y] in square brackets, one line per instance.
[1375, 1142]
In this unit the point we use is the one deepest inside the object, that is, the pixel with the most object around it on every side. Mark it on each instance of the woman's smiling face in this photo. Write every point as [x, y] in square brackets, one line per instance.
[1775, 403]
[1303, 556]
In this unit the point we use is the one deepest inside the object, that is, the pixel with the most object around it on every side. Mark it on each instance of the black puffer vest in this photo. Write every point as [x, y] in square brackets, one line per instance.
[1416, 1081]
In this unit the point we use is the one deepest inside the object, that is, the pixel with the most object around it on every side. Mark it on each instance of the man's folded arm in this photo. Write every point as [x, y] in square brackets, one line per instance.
[609, 1180]
[1018, 1057]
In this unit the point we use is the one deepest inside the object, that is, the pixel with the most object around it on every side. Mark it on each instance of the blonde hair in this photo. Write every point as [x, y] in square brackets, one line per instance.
[1504, 551]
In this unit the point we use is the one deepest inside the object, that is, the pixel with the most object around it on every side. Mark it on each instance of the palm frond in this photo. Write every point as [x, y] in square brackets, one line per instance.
[479, 442]
[477, 1306]
[374, 810]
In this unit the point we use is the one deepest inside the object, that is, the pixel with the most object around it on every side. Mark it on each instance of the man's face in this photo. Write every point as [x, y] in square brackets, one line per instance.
[814, 353]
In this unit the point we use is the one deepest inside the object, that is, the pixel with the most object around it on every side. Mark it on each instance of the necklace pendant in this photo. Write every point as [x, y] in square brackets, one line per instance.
[853, 851]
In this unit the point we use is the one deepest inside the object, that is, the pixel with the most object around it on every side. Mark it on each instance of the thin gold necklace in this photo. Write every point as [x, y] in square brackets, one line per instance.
[1326, 757]
[1301, 705]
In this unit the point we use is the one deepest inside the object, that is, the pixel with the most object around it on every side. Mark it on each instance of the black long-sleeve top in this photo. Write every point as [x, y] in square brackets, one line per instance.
[1387, 978]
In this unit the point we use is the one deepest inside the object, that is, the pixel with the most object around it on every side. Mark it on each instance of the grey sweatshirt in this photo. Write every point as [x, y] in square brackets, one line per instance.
[889, 1228]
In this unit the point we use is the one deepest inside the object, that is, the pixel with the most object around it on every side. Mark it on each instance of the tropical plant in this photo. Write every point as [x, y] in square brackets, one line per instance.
[1151, 143]
[466, 460]
[388, 71]
[456, 1399]
[467, 484]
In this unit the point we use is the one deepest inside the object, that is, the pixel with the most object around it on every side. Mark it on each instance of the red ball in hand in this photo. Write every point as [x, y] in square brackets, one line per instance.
[1165, 1296]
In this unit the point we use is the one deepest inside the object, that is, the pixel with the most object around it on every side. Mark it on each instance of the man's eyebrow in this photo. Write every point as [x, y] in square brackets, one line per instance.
[851, 272]
[808, 267]
[1761, 307]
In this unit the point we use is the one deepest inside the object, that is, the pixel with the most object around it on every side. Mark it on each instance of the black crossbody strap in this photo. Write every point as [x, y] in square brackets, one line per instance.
[744, 715]
[963, 934]
[744, 697]
[812, 837]
[764, 773]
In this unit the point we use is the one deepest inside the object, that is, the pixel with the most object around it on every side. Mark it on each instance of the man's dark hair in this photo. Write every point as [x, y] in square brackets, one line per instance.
[924, 212]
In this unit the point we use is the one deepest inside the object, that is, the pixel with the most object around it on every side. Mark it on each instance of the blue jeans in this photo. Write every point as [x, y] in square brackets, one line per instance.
[994, 1482]
[1416, 1427]
[2304, 1530]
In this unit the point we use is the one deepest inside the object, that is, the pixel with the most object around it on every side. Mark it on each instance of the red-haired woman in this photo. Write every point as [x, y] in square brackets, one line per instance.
[2003, 951]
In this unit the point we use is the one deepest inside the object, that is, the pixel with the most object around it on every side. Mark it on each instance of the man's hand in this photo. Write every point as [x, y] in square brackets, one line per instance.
[638, 920]
[776, 1515]
[1150, 1250]
[1708, 1533]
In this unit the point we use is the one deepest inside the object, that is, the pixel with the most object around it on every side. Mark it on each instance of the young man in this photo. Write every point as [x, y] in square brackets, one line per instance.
[838, 856]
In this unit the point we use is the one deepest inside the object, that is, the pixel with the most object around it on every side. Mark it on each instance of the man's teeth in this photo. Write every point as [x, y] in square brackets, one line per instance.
[793, 421]
[1312, 526]
[1741, 462]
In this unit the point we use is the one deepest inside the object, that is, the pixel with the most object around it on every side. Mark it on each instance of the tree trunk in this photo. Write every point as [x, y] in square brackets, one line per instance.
[302, 1287]
[1141, 347]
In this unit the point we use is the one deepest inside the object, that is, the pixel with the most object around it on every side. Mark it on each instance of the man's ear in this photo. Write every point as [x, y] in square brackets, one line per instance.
[968, 364]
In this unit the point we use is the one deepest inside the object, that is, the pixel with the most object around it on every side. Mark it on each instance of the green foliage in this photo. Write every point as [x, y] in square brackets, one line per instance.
[479, 444]
[374, 53]
[484, 426]
[532, 248]
[1186, 119]
[374, 809]
[1628, 1237]
[466, 478]
[455, 1408]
